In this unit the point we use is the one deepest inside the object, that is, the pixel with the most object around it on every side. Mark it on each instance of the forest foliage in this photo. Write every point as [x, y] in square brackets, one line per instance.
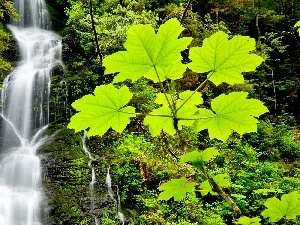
[156, 57]
[6, 10]
[137, 94]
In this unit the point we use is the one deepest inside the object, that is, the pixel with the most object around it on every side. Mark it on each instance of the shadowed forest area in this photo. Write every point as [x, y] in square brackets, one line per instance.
[243, 174]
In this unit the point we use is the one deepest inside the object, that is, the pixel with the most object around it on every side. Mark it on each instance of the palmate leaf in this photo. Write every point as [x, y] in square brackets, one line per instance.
[288, 207]
[163, 99]
[103, 110]
[209, 154]
[149, 53]
[225, 59]
[189, 108]
[177, 188]
[221, 179]
[197, 158]
[244, 220]
[193, 98]
[230, 112]
[162, 119]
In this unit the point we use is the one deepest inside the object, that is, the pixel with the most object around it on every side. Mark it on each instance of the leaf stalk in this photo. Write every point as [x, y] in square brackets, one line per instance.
[172, 107]
[196, 90]
[216, 188]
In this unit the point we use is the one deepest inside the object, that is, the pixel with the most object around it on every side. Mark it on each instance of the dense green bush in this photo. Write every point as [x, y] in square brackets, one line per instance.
[274, 142]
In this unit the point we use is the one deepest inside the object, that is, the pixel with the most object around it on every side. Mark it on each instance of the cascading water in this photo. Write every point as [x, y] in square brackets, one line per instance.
[93, 181]
[111, 194]
[25, 115]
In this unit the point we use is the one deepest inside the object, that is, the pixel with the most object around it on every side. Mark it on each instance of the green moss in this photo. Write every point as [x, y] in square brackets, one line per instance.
[65, 205]
[68, 179]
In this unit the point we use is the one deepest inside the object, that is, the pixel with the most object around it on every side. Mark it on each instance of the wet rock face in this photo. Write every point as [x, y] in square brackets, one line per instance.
[59, 105]
[101, 204]
[66, 180]
[11, 54]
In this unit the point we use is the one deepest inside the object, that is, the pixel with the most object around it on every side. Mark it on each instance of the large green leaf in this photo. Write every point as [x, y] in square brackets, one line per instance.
[288, 207]
[230, 112]
[162, 119]
[149, 53]
[103, 110]
[186, 105]
[209, 154]
[191, 98]
[244, 220]
[177, 188]
[164, 99]
[221, 179]
[197, 158]
[225, 59]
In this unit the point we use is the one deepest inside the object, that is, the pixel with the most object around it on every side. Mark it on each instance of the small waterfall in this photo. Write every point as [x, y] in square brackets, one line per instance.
[111, 194]
[92, 184]
[25, 115]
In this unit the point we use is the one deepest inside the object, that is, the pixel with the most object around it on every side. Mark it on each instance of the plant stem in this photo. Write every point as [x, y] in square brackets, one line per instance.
[197, 89]
[147, 114]
[173, 91]
[185, 10]
[216, 188]
[172, 107]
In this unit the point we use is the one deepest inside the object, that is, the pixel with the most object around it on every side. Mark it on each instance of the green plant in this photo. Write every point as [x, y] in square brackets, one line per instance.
[244, 220]
[7, 9]
[156, 56]
[222, 65]
[288, 208]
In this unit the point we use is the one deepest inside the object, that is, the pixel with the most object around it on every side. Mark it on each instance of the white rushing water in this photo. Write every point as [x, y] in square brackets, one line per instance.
[108, 184]
[25, 115]
[111, 194]
[93, 181]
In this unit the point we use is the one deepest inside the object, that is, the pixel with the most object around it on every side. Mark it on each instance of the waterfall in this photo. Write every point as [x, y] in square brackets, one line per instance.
[111, 194]
[108, 184]
[25, 115]
[93, 181]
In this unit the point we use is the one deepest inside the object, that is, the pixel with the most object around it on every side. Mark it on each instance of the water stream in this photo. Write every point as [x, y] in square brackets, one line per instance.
[93, 181]
[111, 194]
[25, 115]
[108, 184]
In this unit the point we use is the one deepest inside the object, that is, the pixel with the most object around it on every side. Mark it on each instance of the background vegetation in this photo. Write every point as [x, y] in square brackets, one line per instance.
[260, 165]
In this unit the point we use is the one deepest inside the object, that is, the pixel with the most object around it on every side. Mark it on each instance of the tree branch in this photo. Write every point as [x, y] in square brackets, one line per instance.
[185, 10]
[219, 190]
[99, 53]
